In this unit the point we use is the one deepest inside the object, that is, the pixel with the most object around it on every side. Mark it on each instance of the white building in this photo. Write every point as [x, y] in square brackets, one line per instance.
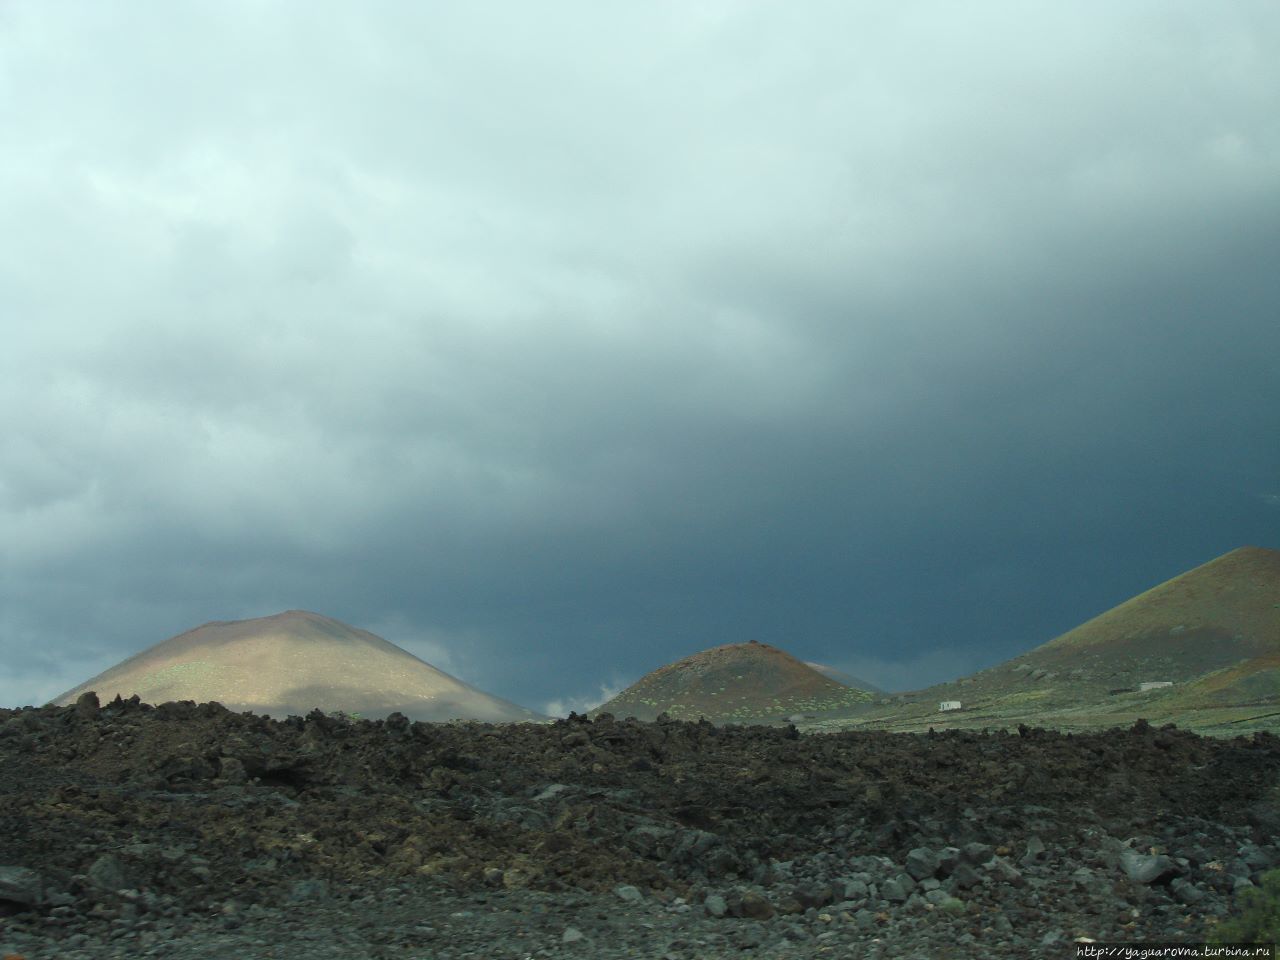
[1154, 685]
[949, 705]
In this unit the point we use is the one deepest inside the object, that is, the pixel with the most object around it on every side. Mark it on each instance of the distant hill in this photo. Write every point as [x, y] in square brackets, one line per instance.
[1203, 646]
[290, 664]
[737, 682]
[1216, 615]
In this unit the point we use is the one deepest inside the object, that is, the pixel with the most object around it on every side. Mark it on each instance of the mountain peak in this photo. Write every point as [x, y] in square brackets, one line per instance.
[290, 663]
[734, 682]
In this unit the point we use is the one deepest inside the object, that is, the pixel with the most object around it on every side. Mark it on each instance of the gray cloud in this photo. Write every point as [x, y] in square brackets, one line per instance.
[562, 341]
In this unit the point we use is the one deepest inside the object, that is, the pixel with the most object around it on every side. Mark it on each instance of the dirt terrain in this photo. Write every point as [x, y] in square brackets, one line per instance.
[189, 831]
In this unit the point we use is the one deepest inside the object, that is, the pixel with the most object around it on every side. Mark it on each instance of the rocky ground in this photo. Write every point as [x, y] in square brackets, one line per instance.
[190, 832]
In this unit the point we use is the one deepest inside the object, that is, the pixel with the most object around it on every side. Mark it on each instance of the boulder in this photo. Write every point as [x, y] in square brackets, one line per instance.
[964, 877]
[21, 885]
[977, 853]
[1186, 892]
[754, 906]
[627, 893]
[948, 859]
[855, 889]
[1035, 852]
[715, 906]
[87, 705]
[1002, 871]
[895, 890]
[108, 873]
[1147, 868]
[921, 863]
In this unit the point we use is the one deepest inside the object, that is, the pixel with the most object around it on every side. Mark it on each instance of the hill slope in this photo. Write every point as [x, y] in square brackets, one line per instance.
[1210, 636]
[291, 663]
[1216, 615]
[848, 679]
[736, 682]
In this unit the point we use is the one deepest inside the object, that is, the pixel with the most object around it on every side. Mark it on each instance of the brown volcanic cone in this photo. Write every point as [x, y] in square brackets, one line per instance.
[292, 663]
[737, 682]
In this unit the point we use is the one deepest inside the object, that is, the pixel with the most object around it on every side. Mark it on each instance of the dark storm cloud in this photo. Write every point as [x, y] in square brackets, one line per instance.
[556, 343]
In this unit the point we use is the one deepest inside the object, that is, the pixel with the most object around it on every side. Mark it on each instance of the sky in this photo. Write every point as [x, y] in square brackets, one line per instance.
[556, 341]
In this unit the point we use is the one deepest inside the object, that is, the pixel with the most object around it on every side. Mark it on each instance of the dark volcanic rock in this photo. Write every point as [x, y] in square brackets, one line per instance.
[21, 887]
[922, 863]
[1148, 869]
[141, 828]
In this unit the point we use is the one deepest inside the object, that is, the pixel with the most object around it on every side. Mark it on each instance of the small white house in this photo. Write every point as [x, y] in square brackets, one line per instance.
[1154, 685]
[949, 705]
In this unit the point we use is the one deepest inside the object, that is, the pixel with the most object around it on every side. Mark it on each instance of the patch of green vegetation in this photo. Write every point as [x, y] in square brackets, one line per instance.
[1259, 921]
[1022, 697]
[345, 717]
[1247, 682]
[848, 698]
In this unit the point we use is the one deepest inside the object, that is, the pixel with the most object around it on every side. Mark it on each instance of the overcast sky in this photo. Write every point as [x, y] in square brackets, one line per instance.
[554, 341]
